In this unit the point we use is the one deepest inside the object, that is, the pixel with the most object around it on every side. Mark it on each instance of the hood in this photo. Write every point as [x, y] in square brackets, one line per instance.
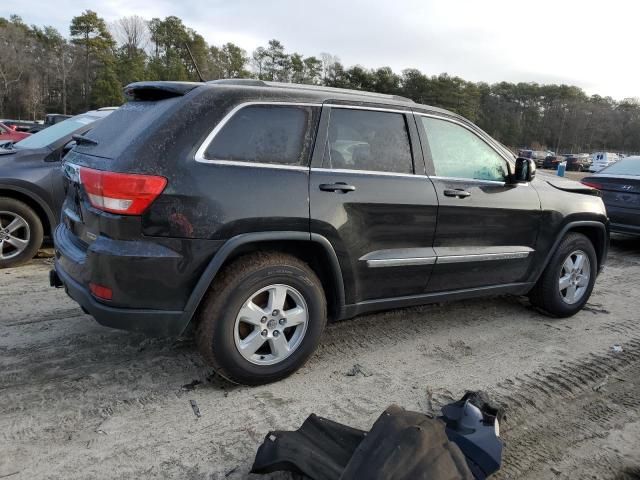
[567, 185]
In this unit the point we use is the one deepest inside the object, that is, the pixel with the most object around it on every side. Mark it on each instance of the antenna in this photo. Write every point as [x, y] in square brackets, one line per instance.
[193, 60]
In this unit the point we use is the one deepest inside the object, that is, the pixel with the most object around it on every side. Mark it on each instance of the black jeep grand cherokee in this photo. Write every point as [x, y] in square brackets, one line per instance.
[258, 210]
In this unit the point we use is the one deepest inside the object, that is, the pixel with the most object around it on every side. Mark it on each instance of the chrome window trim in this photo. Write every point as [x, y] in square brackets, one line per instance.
[365, 107]
[199, 155]
[237, 163]
[468, 180]
[366, 172]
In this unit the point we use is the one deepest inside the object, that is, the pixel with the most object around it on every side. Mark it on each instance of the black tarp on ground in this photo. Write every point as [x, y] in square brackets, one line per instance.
[461, 444]
[400, 445]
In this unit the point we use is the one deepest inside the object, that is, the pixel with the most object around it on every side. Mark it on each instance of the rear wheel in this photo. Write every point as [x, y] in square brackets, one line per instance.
[262, 319]
[566, 284]
[21, 233]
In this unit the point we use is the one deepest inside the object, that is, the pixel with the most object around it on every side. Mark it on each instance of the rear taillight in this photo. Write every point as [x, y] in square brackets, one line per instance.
[591, 184]
[100, 291]
[123, 193]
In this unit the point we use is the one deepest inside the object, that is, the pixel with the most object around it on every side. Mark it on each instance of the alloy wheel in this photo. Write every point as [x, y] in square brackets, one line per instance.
[14, 235]
[574, 277]
[271, 324]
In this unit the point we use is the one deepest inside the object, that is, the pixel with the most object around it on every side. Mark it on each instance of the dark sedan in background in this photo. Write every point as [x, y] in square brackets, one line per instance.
[579, 162]
[31, 187]
[552, 161]
[620, 187]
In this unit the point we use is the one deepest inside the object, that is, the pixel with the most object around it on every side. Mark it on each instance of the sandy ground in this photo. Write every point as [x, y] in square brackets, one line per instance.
[81, 401]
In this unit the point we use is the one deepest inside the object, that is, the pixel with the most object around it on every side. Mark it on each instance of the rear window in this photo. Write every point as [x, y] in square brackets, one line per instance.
[629, 166]
[52, 134]
[271, 134]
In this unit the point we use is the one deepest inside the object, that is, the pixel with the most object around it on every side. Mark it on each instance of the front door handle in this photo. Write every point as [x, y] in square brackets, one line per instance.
[458, 193]
[337, 187]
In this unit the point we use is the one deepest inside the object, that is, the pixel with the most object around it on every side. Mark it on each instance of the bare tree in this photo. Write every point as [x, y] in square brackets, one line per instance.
[132, 33]
[32, 97]
[13, 63]
[328, 64]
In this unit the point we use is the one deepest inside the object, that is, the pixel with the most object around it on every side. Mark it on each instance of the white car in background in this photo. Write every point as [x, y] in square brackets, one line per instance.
[600, 160]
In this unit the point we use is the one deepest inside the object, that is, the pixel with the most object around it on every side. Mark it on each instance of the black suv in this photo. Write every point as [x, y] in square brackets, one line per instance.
[256, 211]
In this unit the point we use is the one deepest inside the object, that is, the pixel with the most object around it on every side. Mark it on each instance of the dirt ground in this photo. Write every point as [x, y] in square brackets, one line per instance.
[80, 401]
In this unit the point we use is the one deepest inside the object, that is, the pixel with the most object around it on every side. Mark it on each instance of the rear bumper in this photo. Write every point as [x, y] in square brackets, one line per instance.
[151, 322]
[151, 281]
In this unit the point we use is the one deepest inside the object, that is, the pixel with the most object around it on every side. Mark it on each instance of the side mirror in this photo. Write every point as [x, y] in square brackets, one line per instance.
[525, 170]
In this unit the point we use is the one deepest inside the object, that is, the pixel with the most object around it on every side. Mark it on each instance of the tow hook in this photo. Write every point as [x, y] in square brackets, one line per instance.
[54, 279]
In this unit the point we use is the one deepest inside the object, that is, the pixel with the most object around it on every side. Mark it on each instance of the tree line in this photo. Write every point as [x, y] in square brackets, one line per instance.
[43, 71]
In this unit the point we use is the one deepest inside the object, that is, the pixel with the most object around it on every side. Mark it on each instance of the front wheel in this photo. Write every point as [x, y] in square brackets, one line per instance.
[566, 284]
[262, 319]
[21, 233]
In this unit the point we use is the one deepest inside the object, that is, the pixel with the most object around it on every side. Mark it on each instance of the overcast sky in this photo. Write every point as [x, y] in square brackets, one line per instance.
[592, 44]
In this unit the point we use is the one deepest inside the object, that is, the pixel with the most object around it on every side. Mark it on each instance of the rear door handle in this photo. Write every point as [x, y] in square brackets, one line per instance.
[337, 187]
[458, 193]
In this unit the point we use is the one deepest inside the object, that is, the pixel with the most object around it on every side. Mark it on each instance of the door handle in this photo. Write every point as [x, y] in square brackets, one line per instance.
[337, 187]
[458, 193]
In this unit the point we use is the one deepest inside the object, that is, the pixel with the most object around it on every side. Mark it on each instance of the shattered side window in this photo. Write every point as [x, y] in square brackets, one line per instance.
[272, 134]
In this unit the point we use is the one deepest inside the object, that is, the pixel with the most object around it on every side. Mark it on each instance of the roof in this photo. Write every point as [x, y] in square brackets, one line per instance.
[156, 90]
[310, 88]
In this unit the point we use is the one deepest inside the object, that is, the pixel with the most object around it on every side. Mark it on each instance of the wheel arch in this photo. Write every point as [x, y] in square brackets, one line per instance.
[314, 249]
[36, 203]
[597, 232]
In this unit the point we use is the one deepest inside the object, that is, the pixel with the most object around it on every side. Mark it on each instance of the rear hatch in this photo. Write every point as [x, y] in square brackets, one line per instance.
[115, 170]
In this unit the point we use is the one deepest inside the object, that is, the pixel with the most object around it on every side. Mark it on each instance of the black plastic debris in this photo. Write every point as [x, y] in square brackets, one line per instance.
[195, 408]
[191, 386]
[473, 425]
[461, 444]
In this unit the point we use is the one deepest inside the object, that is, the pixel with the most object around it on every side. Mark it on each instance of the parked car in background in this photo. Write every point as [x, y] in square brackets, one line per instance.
[600, 160]
[580, 162]
[31, 188]
[552, 162]
[274, 207]
[9, 134]
[50, 119]
[19, 125]
[537, 156]
[620, 187]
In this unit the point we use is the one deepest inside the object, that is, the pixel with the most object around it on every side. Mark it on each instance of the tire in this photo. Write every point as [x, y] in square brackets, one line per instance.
[26, 226]
[547, 295]
[261, 278]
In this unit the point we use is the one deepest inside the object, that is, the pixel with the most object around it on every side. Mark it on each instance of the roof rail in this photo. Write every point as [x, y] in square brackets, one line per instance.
[313, 88]
[248, 82]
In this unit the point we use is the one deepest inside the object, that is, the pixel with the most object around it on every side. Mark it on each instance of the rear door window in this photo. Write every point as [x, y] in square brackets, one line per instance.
[270, 134]
[368, 140]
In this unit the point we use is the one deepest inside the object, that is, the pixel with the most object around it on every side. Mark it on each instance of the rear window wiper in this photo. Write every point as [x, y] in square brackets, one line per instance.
[80, 140]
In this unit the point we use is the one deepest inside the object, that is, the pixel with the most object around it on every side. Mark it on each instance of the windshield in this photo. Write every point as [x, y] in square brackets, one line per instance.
[628, 166]
[55, 132]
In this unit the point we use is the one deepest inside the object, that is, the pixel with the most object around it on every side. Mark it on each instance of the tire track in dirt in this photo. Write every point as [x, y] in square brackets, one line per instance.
[559, 408]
